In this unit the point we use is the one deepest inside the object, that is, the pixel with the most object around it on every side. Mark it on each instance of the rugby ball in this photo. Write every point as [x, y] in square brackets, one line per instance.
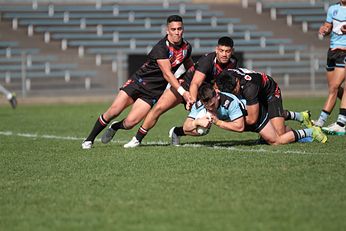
[202, 130]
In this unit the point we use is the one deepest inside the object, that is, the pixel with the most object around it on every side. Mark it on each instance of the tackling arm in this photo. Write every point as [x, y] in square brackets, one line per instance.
[253, 113]
[196, 82]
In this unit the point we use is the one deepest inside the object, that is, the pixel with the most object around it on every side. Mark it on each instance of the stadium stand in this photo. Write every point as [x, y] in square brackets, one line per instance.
[109, 33]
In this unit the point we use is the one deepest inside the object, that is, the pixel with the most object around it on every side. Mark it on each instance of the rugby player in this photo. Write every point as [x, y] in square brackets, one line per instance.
[144, 88]
[336, 26]
[229, 113]
[206, 69]
[257, 88]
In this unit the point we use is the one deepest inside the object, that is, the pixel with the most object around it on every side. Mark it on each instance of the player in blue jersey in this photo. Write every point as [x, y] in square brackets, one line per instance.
[145, 87]
[335, 25]
[229, 113]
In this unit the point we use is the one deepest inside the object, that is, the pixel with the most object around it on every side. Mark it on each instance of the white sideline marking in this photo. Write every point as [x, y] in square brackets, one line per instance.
[253, 150]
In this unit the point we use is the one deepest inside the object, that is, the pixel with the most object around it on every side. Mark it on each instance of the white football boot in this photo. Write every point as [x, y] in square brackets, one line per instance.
[133, 143]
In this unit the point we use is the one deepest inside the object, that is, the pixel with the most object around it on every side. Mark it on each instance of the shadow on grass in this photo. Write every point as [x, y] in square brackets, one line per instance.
[209, 143]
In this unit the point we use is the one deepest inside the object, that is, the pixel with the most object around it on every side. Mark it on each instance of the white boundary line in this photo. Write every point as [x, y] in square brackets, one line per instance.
[252, 150]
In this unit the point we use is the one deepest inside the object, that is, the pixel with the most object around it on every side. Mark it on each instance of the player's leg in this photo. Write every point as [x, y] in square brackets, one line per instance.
[276, 114]
[338, 128]
[137, 113]
[11, 97]
[121, 101]
[304, 117]
[334, 79]
[272, 138]
[169, 99]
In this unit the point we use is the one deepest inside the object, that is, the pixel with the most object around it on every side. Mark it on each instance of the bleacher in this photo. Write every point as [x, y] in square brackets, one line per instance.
[28, 65]
[105, 31]
[310, 14]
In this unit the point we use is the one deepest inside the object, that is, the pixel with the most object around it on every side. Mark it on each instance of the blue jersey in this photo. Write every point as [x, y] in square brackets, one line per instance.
[230, 108]
[337, 17]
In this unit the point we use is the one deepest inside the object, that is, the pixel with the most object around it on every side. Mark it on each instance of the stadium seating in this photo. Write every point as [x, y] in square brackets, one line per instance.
[109, 31]
[14, 60]
[308, 14]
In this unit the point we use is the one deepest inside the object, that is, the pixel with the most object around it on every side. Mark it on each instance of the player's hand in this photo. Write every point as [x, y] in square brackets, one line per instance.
[188, 100]
[188, 105]
[323, 31]
[213, 117]
[204, 122]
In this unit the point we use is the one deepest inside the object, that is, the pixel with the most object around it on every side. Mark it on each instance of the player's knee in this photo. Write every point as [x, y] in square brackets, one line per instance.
[130, 123]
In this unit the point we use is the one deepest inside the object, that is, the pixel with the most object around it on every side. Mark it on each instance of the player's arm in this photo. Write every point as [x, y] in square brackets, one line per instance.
[325, 29]
[196, 82]
[191, 124]
[165, 67]
[237, 125]
[253, 113]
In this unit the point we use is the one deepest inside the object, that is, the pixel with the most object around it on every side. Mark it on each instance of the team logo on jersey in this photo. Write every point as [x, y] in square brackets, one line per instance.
[226, 104]
[247, 77]
[335, 12]
[199, 104]
[177, 56]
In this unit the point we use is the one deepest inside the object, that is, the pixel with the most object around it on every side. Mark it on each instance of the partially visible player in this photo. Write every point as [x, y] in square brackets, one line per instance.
[206, 69]
[229, 113]
[335, 26]
[145, 87]
[11, 97]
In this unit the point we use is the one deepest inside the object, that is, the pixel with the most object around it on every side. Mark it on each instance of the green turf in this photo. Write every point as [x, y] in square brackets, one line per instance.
[50, 183]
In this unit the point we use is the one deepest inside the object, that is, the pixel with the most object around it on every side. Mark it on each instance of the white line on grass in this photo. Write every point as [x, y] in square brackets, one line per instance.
[257, 150]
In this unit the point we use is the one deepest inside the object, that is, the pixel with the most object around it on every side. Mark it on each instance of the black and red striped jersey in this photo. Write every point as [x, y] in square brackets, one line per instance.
[257, 87]
[150, 73]
[209, 66]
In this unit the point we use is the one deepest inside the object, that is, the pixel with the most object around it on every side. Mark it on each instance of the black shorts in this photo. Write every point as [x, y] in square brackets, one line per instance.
[274, 104]
[335, 58]
[136, 91]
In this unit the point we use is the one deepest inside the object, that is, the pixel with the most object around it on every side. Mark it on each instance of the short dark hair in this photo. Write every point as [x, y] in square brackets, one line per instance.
[174, 18]
[206, 92]
[227, 80]
[225, 41]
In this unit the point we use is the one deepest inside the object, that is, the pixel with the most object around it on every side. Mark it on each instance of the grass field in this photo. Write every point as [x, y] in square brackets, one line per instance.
[217, 182]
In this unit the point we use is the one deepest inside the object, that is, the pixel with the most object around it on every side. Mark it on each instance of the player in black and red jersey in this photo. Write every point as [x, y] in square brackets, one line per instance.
[261, 89]
[206, 69]
[145, 87]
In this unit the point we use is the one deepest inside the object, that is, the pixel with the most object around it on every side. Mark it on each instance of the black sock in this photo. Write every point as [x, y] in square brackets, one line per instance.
[179, 131]
[141, 133]
[100, 124]
[118, 125]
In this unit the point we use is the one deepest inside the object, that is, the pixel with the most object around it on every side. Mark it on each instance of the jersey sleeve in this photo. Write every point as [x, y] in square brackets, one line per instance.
[159, 51]
[196, 108]
[250, 93]
[203, 64]
[329, 17]
[236, 110]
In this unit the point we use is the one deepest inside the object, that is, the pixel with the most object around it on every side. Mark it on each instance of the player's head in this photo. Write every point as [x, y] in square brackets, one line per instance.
[208, 96]
[224, 49]
[175, 29]
[228, 81]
